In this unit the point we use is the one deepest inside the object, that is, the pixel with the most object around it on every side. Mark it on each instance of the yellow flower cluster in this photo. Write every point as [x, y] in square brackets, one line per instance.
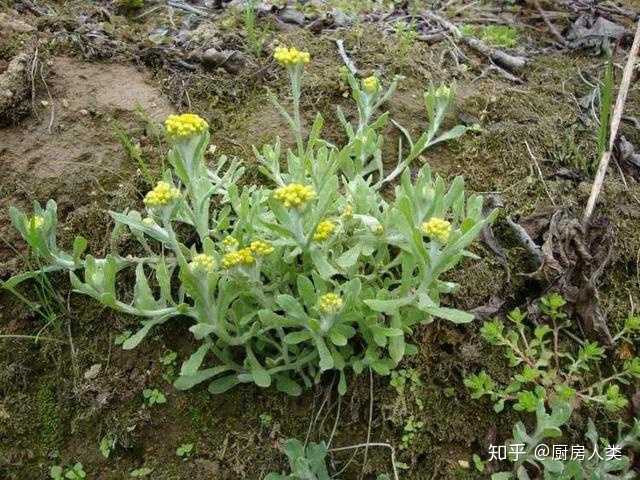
[437, 228]
[243, 256]
[185, 125]
[442, 91]
[203, 263]
[291, 56]
[378, 229]
[36, 222]
[348, 212]
[371, 84]
[260, 247]
[324, 230]
[294, 195]
[163, 194]
[330, 303]
[230, 243]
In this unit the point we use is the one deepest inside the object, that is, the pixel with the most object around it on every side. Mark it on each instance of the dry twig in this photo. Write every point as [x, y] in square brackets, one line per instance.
[52, 106]
[366, 448]
[374, 444]
[552, 28]
[345, 58]
[544, 184]
[505, 60]
[615, 124]
[525, 240]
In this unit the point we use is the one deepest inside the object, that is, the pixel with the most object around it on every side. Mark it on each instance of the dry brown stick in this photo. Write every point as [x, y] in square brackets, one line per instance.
[552, 28]
[366, 449]
[511, 62]
[51, 104]
[544, 184]
[615, 124]
[34, 67]
[526, 241]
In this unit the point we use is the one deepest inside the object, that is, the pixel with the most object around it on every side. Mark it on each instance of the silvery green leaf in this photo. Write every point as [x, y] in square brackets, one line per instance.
[389, 306]
[307, 291]
[326, 359]
[452, 134]
[143, 298]
[502, 476]
[222, 384]
[522, 473]
[81, 287]
[337, 338]
[451, 314]
[164, 279]
[201, 330]
[184, 382]
[134, 340]
[291, 306]
[191, 366]
[79, 247]
[342, 383]
[320, 261]
[295, 338]
[349, 258]
[260, 376]
[396, 342]
[287, 385]
[270, 319]
[277, 476]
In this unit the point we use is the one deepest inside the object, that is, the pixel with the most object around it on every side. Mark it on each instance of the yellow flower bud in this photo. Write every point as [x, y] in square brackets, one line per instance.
[324, 230]
[230, 243]
[442, 91]
[162, 195]
[260, 247]
[36, 222]
[294, 195]
[185, 125]
[291, 56]
[371, 84]
[330, 303]
[202, 263]
[437, 228]
[243, 256]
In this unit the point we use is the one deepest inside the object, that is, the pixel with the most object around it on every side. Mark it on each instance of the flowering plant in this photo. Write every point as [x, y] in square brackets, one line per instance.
[279, 284]
[547, 367]
[541, 449]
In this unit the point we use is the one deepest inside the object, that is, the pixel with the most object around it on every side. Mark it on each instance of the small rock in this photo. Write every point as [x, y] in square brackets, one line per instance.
[102, 398]
[341, 19]
[291, 15]
[232, 61]
[206, 35]
[93, 371]
[208, 467]
[9, 24]
[590, 31]
[13, 84]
